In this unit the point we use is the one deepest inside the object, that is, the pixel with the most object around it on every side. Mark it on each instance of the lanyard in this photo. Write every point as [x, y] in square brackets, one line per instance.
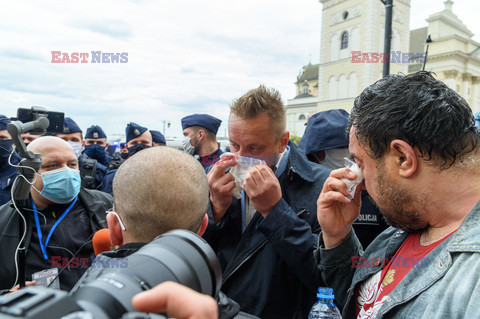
[39, 231]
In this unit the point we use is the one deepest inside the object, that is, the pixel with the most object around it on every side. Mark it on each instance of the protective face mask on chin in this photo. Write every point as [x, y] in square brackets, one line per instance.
[77, 148]
[61, 185]
[240, 171]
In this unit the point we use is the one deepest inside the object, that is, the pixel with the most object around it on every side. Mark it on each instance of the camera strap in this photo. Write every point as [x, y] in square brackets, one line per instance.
[39, 230]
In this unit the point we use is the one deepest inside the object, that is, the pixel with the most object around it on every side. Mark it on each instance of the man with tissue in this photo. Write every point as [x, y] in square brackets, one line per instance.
[265, 239]
[417, 145]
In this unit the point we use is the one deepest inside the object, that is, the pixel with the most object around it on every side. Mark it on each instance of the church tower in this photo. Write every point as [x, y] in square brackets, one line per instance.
[350, 28]
[351, 48]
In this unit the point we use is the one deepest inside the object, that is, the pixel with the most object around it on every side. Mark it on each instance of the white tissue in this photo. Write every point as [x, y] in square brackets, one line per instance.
[240, 171]
[352, 184]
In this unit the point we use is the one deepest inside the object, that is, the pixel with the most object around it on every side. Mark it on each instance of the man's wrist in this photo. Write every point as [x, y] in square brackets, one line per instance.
[332, 241]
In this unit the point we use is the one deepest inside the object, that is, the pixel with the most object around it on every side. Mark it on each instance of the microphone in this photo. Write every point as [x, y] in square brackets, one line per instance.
[101, 241]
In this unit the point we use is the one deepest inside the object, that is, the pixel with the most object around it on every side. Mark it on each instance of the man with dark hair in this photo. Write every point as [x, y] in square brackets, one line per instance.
[416, 143]
[200, 138]
[325, 141]
[265, 239]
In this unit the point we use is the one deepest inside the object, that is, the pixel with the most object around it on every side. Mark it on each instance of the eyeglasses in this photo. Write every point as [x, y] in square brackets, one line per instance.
[110, 211]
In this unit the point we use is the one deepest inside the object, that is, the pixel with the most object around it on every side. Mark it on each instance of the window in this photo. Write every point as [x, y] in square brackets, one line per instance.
[302, 117]
[305, 87]
[344, 43]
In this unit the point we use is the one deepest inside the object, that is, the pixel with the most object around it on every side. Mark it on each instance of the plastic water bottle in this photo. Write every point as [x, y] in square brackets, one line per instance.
[324, 308]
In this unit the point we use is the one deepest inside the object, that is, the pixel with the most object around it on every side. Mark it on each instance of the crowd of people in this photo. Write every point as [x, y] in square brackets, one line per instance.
[403, 238]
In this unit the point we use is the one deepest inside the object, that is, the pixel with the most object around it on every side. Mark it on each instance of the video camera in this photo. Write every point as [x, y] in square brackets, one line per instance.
[178, 255]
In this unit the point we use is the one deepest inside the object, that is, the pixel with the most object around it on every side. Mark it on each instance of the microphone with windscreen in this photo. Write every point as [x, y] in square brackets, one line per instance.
[101, 241]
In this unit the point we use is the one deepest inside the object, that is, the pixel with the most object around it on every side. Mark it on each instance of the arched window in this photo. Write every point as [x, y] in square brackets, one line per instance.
[344, 43]
[302, 117]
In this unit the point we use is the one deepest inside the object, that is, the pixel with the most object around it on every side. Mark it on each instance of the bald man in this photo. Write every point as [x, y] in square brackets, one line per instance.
[156, 190]
[61, 219]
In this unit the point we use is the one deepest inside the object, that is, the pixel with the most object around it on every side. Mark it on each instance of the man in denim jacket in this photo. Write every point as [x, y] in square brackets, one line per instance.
[416, 143]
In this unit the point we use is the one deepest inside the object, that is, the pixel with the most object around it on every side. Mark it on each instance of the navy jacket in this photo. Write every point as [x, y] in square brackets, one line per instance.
[209, 160]
[269, 269]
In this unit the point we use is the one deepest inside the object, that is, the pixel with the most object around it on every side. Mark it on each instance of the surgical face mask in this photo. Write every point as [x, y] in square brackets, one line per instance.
[77, 148]
[187, 146]
[95, 151]
[334, 158]
[6, 148]
[136, 148]
[61, 185]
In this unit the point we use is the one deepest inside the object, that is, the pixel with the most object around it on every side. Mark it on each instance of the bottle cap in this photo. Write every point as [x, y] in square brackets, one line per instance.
[325, 293]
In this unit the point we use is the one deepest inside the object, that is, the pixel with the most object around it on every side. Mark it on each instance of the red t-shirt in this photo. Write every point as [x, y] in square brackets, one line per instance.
[372, 293]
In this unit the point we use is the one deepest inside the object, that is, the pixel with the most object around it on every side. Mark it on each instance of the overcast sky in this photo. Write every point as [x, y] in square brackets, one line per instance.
[184, 56]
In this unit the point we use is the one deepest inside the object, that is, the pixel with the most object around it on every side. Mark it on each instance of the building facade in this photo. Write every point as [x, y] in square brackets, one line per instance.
[351, 50]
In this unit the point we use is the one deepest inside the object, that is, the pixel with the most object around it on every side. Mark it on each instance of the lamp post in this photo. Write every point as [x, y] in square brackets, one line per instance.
[168, 125]
[388, 35]
[429, 40]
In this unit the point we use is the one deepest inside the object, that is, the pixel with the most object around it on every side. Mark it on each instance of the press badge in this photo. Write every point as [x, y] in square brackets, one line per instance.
[43, 278]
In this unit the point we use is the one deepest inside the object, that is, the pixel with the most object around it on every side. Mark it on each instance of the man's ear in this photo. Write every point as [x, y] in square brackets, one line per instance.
[405, 157]
[115, 230]
[284, 141]
[106, 147]
[204, 225]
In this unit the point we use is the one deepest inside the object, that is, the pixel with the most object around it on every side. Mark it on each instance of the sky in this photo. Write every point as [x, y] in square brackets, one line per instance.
[184, 56]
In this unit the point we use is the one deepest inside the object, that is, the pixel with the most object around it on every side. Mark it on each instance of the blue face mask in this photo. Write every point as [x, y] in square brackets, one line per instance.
[61, 185]
[95, 151]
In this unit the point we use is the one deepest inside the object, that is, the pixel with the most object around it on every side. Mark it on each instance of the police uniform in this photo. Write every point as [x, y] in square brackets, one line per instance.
[158, 137]
[132, 131]
[210, 123]
[94, 151]
[7, 172]
[327, 131]
[91, 171]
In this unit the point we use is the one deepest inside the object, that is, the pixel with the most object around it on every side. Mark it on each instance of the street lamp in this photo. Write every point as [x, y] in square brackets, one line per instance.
[168, 125]
[388, 35]
[429, 40]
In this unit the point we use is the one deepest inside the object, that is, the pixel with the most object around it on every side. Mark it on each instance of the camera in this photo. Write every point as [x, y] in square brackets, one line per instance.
[180, 256]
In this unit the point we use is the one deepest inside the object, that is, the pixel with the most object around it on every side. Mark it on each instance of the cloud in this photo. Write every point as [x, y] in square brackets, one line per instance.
[184, 56]
[114, 28]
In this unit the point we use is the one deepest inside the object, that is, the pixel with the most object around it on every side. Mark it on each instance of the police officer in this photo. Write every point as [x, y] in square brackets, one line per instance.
[96, 145]
[138, 138]
[158, 138]
[200, 138]
[7, 172]
[325, 142]
[91, 171]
